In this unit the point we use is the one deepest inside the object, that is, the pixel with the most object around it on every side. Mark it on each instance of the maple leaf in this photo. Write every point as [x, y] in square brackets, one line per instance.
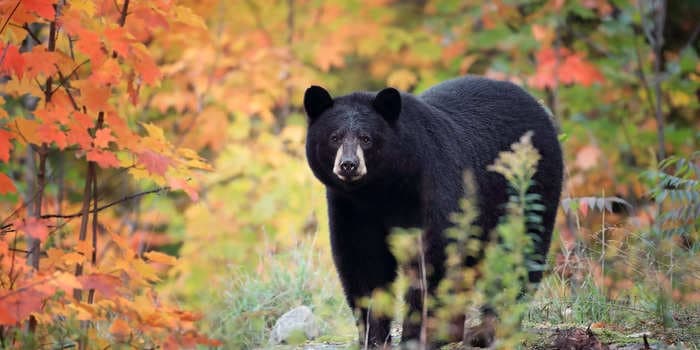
[5, 145]
[145, 66]
[17, 305]
[120, 330]
[6, 184]
[103, 137]
[155, 163]
[104, 159]
[119, 40]
[159, 257]
[94, 97]
[52, 133]
[108, 73]
[33, 227]
[41, 61]
[26, 130]
[105, 284]
[11, 60]
[43, 8]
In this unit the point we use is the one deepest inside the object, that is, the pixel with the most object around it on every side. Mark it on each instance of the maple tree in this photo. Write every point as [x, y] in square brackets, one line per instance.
[74, 72]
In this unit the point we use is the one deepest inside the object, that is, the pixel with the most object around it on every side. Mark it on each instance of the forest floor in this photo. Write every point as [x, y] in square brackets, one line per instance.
[565, 336]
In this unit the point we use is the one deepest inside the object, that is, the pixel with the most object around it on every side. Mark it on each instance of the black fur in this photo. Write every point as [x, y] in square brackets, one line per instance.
[420, 147]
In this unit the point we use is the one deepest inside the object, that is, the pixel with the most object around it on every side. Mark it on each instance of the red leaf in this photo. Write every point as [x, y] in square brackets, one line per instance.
[567, 68]
[5, 145]
[12, 60]
[104, 159]
[155, 163]
[103, 137]
[43, 8]
[6, 184]
[17, 305]
[52, 133]
[103, 283]
[33, 227]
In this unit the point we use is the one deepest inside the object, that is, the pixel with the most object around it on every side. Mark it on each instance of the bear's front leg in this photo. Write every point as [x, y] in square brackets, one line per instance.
[365, 266]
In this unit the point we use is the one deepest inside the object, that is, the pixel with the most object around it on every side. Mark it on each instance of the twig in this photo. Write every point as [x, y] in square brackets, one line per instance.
[12, 13]
[122, 20]
[111, 204]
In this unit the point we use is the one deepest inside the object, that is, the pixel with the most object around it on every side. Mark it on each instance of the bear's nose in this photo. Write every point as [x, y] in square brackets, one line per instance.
[348, 166]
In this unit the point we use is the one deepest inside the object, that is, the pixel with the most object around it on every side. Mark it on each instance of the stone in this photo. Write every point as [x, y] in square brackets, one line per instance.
[296, 323]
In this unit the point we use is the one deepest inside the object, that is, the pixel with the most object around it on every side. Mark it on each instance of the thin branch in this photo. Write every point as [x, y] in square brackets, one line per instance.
[12, 13]
[111, 204]
[122, 20]
[64, 79]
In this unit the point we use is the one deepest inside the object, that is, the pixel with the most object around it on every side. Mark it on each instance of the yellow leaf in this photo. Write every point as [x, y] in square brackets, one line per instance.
[73, 258]
[84, 247]
[66, 281]
[26, 130]
[87, 6]
[402, 79]
[184, 14]
[160, 258]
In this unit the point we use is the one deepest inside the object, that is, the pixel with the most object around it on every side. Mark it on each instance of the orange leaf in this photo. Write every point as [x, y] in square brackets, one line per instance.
[41, 61]
[104, 159]
[52, 133]
[33, 227]
[119, 40]
[120, 330]
[145, 66]
[43, 8]
[108, 73]
[5, 145]
[6, 184]
[103, 137]
[84, 247]
[26, 130]
[94, 97]
[160, 258]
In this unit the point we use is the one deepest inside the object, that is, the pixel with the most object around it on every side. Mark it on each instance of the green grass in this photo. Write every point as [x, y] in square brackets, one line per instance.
[253, 300]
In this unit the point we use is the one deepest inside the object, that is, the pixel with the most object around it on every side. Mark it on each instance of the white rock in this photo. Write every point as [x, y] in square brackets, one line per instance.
[299, 320]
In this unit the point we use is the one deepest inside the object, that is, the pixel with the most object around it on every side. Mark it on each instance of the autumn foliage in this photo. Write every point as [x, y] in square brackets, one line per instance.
[74, 73]
[149, 148]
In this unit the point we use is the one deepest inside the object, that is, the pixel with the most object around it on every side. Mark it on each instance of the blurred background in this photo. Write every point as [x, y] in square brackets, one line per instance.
[250, 231]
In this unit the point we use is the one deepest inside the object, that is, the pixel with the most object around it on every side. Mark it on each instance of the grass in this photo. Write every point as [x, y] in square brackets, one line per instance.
[253, 300]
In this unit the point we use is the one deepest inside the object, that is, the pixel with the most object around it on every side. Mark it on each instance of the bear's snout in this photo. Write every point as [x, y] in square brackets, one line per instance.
[349, 162]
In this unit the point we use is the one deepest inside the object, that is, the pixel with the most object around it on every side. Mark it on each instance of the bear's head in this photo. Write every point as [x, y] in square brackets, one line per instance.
[349, 137]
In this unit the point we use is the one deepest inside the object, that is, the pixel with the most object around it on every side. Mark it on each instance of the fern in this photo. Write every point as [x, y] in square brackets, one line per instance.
[676, 189]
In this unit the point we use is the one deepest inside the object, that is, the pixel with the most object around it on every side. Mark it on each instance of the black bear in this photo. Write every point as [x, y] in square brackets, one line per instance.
[392, 159]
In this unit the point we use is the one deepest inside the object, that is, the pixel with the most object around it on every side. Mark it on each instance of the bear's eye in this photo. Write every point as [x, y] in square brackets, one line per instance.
[335, 138]
[365, 139]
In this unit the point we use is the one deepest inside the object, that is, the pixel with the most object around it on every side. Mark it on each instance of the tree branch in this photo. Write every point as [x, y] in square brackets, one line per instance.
[111, 204]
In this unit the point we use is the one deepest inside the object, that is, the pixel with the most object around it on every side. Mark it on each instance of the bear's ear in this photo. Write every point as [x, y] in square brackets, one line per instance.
[316, 100]
[388, 104]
